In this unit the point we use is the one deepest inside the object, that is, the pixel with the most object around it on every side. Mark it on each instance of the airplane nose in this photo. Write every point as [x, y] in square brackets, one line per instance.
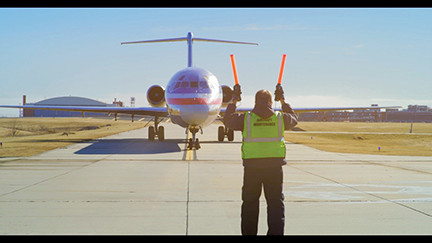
[194, 114]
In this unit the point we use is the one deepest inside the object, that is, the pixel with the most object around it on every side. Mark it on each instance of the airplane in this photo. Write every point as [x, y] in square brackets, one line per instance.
[193, 99]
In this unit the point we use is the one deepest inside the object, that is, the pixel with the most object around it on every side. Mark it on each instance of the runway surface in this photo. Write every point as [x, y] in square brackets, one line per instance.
[124, 184]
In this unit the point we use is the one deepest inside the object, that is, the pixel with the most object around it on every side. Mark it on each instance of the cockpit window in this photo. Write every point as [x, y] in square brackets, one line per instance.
[204, 85]
[185, 84]
[211, 86]
[177, 85]
[194, 84]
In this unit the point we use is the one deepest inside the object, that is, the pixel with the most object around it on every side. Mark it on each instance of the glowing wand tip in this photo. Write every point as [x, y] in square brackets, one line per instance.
[234, 69]
[281, 69]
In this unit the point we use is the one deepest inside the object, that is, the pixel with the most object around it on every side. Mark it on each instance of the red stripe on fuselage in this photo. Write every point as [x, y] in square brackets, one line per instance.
[193, 101]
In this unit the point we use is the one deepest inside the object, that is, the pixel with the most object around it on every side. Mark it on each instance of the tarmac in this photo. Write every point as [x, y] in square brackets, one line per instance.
[124, 184]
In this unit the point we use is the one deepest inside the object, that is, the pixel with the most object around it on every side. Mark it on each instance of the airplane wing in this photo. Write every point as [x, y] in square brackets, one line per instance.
[318, 109]
[145, 111]
[301, 110]
[162, 111]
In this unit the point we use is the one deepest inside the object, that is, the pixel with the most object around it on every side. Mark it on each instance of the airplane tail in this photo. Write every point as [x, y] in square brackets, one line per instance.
[189, 38]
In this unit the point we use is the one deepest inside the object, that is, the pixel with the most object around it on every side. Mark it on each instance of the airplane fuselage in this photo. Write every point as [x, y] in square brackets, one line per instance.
[193, 97]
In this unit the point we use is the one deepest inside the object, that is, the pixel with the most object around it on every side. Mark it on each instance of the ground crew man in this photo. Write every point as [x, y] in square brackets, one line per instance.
[263, 154]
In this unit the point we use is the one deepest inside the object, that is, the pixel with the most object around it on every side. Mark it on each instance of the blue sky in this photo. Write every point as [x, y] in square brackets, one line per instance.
[335, 57]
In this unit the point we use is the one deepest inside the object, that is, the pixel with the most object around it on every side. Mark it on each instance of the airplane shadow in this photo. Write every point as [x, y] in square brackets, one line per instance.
[132, 146]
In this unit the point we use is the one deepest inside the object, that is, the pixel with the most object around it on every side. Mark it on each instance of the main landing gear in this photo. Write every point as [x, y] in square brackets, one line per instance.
[193, 142]
[224, 131]
[156, 131]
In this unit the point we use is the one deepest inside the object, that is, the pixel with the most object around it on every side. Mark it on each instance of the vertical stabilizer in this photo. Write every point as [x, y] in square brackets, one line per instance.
[189, 38]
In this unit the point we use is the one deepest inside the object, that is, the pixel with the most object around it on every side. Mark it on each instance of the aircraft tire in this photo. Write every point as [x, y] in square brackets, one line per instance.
[161, 133]
[190, 144]
[197, 144]
[151, 133]
[221, 133]
[230, 134]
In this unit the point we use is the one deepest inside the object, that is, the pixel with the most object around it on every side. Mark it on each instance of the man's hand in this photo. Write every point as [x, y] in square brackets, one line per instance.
[236, 96]
[279, 93]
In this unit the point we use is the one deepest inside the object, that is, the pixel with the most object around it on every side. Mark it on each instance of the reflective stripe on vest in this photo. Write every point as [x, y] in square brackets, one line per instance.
[263, 138]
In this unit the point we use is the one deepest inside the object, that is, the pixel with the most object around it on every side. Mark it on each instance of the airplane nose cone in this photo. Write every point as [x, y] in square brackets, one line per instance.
[194, 114]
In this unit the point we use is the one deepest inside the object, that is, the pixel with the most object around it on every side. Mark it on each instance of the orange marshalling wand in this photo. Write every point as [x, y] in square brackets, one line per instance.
[282, 69]
[234, 69]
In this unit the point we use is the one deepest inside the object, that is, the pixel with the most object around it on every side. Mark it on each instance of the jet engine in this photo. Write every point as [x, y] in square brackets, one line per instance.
[156, 96]
[226, 95]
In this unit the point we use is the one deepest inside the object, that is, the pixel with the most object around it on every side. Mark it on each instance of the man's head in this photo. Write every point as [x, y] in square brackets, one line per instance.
[263, 96]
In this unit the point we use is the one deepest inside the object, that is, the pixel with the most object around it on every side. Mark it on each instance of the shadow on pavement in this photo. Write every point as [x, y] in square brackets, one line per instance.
[132, 146]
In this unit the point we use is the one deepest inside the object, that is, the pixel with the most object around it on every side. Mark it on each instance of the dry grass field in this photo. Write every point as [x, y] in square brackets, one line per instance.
[365, 138]
[31, 136]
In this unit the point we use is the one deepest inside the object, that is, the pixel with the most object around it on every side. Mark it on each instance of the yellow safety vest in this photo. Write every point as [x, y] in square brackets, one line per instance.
[263, 138]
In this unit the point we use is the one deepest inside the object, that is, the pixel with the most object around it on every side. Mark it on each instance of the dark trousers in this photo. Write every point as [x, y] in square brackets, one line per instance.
[254, 179]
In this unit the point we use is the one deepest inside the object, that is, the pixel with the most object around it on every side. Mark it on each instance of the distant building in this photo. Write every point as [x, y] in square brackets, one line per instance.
[367, 116]
[65, 101]
[419, 108]
[312, 116]
[414, 113]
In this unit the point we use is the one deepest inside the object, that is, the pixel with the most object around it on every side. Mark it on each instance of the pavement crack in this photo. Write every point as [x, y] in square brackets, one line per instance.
[371, 194]
[47, 179]
[187, 199]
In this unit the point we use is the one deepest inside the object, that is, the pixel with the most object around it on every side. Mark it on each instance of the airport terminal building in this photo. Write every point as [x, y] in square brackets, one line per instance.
[65, 101]
[414, 113]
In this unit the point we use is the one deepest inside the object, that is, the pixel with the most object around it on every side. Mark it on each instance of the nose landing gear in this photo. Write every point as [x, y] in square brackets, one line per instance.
[193, 142]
